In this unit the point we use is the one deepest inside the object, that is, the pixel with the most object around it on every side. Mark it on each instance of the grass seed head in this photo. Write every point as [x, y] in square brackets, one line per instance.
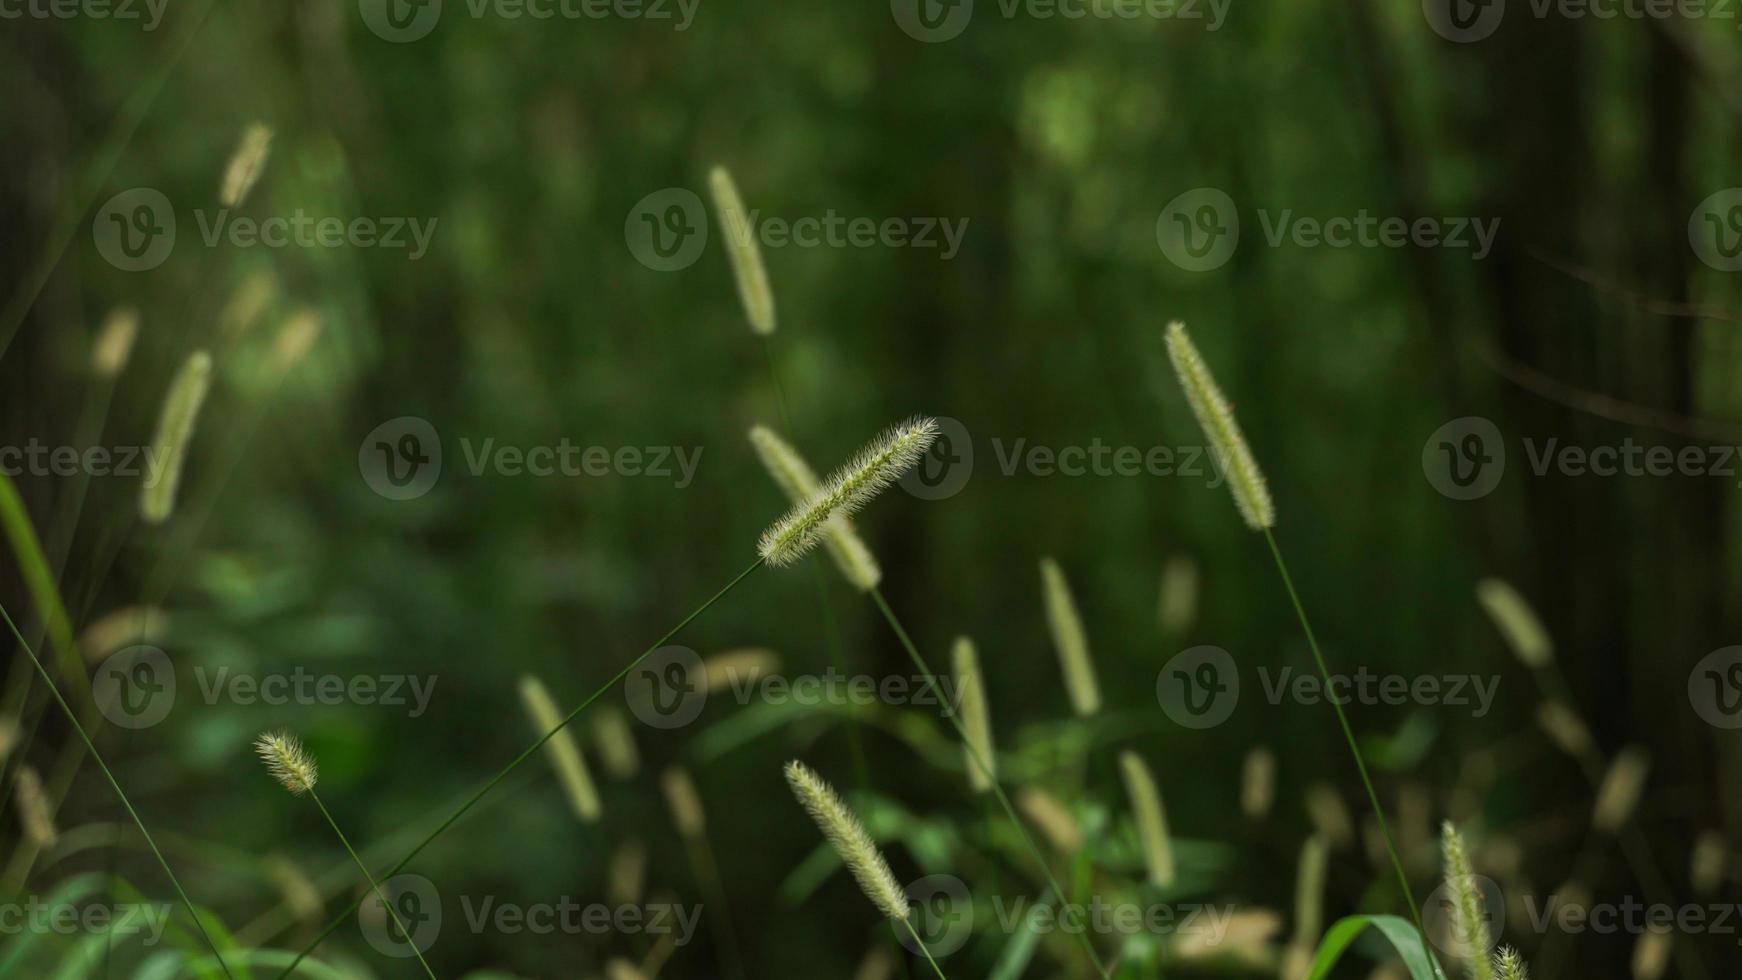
[855, 846]
[287, 761]
[114, 344]
[35, 816]
[246, 164]
[1622, 785]
[1217, 420]
[684, 803]
[175, 430]
[1069, 639]
[1517, 622]
[565, 755]
[799, 482]
[1469, 926]
[746, 256]
[979, 756]
[1151, 819]
[875, 467]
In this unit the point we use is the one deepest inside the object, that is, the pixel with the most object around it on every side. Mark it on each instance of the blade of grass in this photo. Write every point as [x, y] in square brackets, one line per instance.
[116, 786]
[1354, 748]
[373, 884]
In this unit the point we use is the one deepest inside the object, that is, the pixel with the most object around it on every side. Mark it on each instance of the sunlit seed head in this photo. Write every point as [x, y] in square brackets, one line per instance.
[738, 668]
[1469, 924]
[1216, 418]
[114, 344]
[1708, 864]
[1619, 793]
[684, 803]
[1258, 783]
[1055, 821]
[565, 755]
[246, 164]
[1564, 727]
[979, 756]
[294, 340]
[874, 468]
[1508, 965]
[627, 876]
[1309, 891]
[741, 247]
[175, 430]
[1651, 952]
[35, 816]
[799, 482]
[1151, 818]
[616, 743]
[122, 627]
[854, 845]
[1516, 621]
[1069, 640]
[287, 761]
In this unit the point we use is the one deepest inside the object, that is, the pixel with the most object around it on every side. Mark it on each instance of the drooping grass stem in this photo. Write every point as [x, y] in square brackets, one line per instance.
[116, 786]
[923, 950]
[986, 770]
[1354, 748]
[525, 754]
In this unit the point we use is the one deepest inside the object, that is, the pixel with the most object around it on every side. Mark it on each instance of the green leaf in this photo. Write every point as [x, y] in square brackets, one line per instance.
[1400, 932]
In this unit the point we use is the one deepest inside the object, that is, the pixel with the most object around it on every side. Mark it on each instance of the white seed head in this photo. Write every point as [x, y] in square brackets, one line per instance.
[122, 627]
[565, 755]
[799, 482]
[979, 755]
[1651, 952]
[246, 164]
[1069, 639]
[848, 489]
[1469, 925]
[1309, 891]
[684, 803]
[1563, 727]
[616, 743]
[746, 256]
[739, 668]
[1619, 793]
[1508, 965]
[1151, 818]
[1054, 820]
[856, 848]
[35, 816]
[287, 761]
[1217, 420]
[1516, 622]
[175, 430]
[114, 343]
[1258, 783]
[1708, 865]
[1179, 594]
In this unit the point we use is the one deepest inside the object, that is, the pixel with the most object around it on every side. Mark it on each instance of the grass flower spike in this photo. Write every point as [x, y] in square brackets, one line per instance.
[1070, 640]
[287, 761]
[980, 759]
[1516, 622]
[1217, 420]
[1151, 818]
[799, 483]
[35, 816]
[1508, 965]
[246, 164]
[747, 267]
[565, 755]
[1469, 926]
[114, 342]
[175, 429]
[850, 488]
[856, 848]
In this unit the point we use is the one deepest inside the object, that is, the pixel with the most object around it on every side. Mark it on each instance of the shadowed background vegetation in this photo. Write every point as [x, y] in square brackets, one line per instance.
[529, 320]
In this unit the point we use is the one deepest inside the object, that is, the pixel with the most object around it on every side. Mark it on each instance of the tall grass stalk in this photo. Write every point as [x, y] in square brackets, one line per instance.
[986, 770]
[295, 769]
[1252, 498]
[72, 717]
[515, 763]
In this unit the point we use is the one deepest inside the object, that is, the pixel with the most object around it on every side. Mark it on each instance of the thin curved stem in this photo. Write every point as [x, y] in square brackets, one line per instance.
[373, 885]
